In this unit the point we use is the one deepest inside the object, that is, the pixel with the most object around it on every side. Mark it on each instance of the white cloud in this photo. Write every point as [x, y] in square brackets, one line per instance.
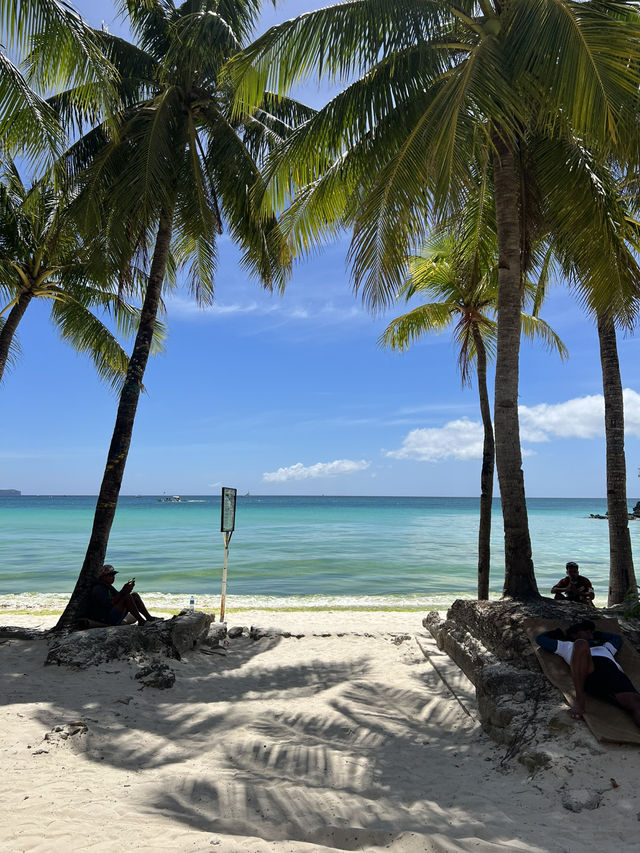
[322, 312]
[320, 469]
[187, 308]
[461, 439]
[582, 417]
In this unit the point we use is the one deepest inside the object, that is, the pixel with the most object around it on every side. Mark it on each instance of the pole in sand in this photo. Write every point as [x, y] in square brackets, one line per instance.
[227, 525]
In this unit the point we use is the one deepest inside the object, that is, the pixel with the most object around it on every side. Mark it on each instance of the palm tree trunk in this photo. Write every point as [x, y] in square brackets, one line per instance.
[622, 579]
[10, 325]
[519, 579]
[123, 429]
[486, 476]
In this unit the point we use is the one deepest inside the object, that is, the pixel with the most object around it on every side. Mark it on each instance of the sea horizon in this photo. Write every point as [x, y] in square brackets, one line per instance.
[296, 495]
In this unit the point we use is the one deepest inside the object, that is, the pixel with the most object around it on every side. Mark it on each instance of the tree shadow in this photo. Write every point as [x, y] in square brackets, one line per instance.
[353, 770]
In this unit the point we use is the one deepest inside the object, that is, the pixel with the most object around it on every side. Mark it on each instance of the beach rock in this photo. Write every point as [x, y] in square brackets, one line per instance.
[15, 632]
[157, 674]
[218, 631]
[71, 735]
[518, 706]
[236, 631]
[257, 633]
[171, 638]
[581, 798]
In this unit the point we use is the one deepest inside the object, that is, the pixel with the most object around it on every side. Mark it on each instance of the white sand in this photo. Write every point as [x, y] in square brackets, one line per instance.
[344, 742]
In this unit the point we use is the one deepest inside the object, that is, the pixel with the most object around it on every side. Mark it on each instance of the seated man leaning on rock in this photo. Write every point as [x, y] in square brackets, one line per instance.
[116, 608]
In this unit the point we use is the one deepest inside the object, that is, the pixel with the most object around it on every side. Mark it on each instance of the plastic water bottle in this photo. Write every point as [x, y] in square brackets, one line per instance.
[192, 602]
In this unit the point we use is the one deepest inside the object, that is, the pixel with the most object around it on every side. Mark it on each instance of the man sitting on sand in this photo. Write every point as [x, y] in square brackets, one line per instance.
[574, 587]
[590, 654]
[116, 608]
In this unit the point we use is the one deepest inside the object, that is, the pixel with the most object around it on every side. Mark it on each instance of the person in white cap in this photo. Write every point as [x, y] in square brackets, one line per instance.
[116, 608]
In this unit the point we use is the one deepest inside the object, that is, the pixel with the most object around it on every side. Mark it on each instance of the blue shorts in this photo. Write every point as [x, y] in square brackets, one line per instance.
[606, 679]
[115, 616]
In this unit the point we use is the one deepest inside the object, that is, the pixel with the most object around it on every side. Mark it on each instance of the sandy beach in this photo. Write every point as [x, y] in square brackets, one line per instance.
[358, 735]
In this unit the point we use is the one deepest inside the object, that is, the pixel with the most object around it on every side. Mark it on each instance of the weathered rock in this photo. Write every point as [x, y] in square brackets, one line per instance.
[518, 706]
[157, 674]
[236, 631]
[171, 638]
[217, 631]
[67, 730]
[16, 632]
[581, 798]
[257, 633]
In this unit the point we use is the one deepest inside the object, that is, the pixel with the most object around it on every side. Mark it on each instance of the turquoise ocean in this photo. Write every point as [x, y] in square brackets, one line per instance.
[287, 551]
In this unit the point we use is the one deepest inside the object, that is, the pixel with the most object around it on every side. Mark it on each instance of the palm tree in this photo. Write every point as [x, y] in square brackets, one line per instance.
[179, 166]
[622, 579]
[465, 286]
[596, 239]
[439, 90]
[42, 257]
[66, 54]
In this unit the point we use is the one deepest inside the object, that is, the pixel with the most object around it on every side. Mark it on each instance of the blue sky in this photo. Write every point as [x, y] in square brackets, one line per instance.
[292, 395]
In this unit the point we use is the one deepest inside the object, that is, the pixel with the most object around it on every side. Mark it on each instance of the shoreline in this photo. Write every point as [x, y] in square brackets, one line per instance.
[52, 604]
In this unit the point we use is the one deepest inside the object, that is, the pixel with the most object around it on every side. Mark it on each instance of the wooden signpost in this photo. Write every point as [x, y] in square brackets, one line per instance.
[227, 525]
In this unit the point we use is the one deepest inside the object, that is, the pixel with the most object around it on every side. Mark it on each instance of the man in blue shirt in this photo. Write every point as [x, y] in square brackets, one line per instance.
[591, 656]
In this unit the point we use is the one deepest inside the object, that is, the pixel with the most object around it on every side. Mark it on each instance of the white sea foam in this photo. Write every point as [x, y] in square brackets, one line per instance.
[173, 603]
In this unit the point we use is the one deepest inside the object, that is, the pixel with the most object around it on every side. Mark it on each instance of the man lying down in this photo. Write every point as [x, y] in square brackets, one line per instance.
[591, 656]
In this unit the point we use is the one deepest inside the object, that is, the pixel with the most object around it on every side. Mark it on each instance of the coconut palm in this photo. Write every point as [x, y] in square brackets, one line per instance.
[596, 240]
[464, 284]
[178, 168]
[622, 579]
[42, 257]
[440, 88]
[66, 54]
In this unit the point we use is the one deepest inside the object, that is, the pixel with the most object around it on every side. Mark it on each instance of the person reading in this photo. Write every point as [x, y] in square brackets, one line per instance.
[594, 669]
[116, 608]
[574, 587]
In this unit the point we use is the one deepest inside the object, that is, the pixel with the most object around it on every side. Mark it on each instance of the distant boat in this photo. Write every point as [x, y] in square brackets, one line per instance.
[246, 495]
[10, 493]
[174, 499]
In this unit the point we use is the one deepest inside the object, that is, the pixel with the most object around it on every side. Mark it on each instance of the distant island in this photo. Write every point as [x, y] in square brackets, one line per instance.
[10, 493]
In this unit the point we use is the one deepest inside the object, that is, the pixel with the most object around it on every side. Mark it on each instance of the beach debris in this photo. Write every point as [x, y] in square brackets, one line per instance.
[614, 784]
[156, 674]
[257, 633]
[64, 731]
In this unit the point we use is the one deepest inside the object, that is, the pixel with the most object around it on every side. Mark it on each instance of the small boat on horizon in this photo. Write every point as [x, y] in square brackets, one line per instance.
[174, 499]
